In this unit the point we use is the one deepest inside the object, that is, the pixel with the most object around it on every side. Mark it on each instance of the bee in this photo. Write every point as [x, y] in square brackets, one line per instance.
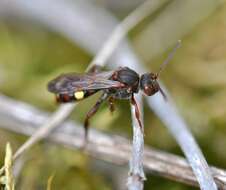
[121, 83]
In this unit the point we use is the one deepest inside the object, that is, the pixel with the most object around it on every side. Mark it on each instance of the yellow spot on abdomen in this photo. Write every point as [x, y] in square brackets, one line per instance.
[79, 95]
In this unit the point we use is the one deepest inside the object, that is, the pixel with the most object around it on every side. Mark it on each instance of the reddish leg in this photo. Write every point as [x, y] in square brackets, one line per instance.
[92, 112]
[111, 104]
[137, 112]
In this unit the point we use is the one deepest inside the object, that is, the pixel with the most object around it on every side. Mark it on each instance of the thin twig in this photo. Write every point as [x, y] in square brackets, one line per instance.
[110, 148]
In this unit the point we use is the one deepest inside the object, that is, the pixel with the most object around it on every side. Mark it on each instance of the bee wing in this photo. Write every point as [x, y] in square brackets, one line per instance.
[72, 82]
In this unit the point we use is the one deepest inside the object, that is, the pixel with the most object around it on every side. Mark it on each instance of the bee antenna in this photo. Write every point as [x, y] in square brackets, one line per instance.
[170, 56]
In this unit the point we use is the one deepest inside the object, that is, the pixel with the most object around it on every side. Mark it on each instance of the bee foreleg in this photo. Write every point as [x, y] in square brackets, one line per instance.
[137, 112]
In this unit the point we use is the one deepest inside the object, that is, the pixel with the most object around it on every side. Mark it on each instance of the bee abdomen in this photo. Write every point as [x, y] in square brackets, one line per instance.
[76, 96]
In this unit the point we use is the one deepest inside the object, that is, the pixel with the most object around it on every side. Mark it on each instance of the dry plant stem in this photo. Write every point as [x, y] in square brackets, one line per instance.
[99, 23]
[8, 168]
[24, 119]
[136, 175]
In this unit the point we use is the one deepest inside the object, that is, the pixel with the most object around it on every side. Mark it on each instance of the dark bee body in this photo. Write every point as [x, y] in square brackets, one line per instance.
[119, 84]
[130, 79]
[122, 83]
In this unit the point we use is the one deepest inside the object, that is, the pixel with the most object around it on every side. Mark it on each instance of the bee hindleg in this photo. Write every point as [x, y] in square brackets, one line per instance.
[91, 112]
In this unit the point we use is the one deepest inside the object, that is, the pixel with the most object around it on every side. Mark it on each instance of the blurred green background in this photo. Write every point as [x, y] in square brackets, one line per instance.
[30, 56]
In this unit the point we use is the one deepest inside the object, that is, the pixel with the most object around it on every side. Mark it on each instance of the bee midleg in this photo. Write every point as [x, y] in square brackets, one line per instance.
[95, 69]
[111, 101]
[92, 111]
